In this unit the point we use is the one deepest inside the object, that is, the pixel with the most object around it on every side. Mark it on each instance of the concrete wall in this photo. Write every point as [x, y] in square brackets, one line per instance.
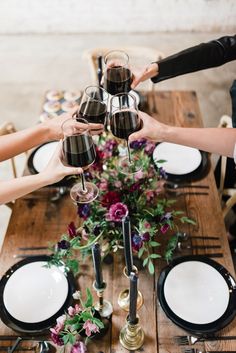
[115, 16]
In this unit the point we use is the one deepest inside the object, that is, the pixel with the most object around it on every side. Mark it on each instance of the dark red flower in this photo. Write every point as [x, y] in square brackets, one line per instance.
[110, 198]
[71, 229]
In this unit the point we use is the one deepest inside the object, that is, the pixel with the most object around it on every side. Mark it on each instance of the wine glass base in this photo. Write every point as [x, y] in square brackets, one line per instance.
[79, 196]
[128, 167]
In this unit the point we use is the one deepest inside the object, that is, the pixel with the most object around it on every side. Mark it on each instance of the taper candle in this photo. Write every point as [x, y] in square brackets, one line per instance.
[97, 266]
[126, 229]
[133, 294]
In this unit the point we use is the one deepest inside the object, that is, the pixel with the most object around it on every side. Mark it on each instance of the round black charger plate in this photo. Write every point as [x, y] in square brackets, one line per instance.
[39, 327]
[67, 181]
[197, 174]
[199, 329]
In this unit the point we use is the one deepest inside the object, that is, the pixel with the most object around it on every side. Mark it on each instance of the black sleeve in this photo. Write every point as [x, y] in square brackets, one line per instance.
[202, 56]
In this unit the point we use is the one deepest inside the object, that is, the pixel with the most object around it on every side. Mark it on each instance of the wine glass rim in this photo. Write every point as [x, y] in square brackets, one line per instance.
[113, 51]
[124, 94]
[101, 88]
[74, 121]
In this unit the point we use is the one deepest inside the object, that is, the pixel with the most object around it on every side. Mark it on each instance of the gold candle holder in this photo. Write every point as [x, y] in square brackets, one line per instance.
[123, 298]
[131, 336]
[103, 306]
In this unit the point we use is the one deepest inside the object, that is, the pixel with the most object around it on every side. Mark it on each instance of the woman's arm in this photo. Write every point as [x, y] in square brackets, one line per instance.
[203, 56]
[214, 140]
[50, 130]
[54, 172]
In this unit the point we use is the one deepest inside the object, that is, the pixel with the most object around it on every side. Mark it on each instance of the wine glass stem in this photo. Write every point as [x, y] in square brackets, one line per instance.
[129, 154]
[83, 183]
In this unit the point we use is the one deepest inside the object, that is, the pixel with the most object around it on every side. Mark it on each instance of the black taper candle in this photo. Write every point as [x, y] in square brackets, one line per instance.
[126, 229]
[133, 294]
[97, 266]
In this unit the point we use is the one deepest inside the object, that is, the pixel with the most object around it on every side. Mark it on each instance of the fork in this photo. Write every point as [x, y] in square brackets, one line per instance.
[172, 185]
[188, 340]
[180, 193]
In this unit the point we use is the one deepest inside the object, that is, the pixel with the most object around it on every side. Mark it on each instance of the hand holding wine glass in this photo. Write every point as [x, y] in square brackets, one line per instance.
[79, 151]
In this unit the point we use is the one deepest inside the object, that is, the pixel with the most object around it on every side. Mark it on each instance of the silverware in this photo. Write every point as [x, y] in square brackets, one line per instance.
[15, 345]
[180, 246]
[3, 348]
[188, 340]
[185, 236]
[195, 350]
[172, 185]
[33, 248]
[180, 193]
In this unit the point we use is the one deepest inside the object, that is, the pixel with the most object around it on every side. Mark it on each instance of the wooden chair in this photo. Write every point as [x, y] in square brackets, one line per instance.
[138, 57]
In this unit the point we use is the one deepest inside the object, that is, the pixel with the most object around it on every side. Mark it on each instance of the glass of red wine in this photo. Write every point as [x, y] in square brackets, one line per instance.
[79, 151]
[93, 105]
[125, 120]
[117, 75]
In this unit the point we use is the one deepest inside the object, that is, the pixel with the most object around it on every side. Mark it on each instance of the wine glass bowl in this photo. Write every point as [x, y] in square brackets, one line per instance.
[117, 75]
[79, 151]
[93, 105]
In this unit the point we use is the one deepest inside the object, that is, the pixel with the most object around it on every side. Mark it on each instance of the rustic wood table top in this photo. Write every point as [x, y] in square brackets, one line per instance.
[35, 222]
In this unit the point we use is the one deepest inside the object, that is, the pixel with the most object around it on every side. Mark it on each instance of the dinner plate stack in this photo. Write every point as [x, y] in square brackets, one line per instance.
[197, 294]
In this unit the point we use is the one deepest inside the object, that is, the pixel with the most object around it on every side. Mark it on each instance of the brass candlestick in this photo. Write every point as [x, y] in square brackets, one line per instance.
[131, 336]
[103, 306]
[123, 298]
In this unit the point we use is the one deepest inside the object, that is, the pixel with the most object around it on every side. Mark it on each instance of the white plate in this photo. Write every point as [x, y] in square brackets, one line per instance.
[179, 159]
[35, 293]
[196, 292]
[43, 155]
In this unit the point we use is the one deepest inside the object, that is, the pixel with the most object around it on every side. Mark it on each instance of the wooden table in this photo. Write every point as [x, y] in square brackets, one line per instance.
[35, 222]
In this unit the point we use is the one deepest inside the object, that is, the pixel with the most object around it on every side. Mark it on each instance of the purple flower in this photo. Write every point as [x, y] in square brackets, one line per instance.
[71, 229]
[166, 217]
[90, 327]
[137, 240]
[110, 145]
[137, 144]
[84, 211]
[57, 339]
[146, 236]
[96, 230]
[63, 244]
[162, 173]
[117, 211]
[78, 347]
[135, 186]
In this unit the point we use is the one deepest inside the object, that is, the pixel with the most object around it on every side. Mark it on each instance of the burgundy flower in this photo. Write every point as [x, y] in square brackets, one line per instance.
[164, 228]
[78, 347]
[96, 230]
[57, 339]
[135, 186]
[110, 198]
[137, 240]
[146, 236]
[117, 211]
[63, 244]
[84, 211]
[71, 229]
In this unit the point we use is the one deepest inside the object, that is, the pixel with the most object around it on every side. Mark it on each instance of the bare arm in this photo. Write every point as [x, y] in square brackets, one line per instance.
[215, 140]
[54, 172]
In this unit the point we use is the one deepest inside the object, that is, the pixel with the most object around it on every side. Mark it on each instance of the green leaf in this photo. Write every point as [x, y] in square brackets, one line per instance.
[154, 243]
[89, 299]
[185, 219]
[98, 322]
[141, 251]
[151, 268]
[145, 261]
[154, 256]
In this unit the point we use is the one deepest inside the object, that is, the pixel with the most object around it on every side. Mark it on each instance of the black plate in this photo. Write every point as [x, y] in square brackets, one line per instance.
[199, 329]
[67, 181]
[197, 174]
[39, 327]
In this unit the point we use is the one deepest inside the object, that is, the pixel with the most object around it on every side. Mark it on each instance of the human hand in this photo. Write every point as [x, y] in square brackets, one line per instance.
[151, 130]
[54, 126]
[143, 74]
[56, 170]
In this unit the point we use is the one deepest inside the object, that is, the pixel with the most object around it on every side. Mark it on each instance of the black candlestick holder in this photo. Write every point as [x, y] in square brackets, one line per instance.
[103, 306]
[123, 298]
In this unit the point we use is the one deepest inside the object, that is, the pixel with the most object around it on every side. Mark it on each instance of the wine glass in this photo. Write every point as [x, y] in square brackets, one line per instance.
[117, 75]
[123, 122]
[79, 151]
[93, 105]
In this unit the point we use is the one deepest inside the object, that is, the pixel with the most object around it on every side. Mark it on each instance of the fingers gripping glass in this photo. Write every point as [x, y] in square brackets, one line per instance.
[79, 151]
[93, 105]
[124, 121]
[117, 75]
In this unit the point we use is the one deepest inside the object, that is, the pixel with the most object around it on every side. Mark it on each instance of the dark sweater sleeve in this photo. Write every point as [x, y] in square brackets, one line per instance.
[202, 56]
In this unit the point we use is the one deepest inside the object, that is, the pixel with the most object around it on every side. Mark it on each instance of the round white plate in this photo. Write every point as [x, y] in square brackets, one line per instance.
[35, 293]
[43, 155]
[196, 292]
[179, 159]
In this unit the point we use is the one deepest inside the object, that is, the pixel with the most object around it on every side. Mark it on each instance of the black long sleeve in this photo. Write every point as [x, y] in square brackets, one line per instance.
[202, 56]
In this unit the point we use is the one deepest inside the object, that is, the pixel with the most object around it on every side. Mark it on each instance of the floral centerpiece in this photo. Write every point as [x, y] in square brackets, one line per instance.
[79, 321]
[140, 195]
